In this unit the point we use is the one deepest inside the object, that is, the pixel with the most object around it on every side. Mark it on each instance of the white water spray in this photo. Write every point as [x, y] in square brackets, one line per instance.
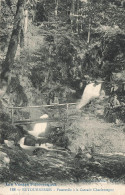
[21, 142]
[91, 91]
[39, 128]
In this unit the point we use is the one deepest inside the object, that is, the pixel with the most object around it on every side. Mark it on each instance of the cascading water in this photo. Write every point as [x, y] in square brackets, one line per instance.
[91, 91]
[39, 128]
[21, 142]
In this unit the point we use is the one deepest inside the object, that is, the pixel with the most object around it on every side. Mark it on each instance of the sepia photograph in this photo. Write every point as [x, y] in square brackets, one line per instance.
[62, 97]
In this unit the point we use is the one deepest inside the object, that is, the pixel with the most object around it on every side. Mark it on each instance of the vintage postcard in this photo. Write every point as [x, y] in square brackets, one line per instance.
[62, 97]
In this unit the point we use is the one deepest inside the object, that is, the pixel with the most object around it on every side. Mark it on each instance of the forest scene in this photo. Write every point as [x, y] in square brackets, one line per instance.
[62, 91]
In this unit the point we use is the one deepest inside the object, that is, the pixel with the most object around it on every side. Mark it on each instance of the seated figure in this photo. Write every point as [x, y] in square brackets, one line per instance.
[114, 102]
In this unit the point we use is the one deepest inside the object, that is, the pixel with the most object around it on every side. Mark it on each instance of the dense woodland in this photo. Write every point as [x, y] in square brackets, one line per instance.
[57, 47]
[49, 51]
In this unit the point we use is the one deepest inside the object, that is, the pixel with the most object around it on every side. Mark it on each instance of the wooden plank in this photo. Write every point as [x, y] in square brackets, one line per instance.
[52, 105]
[41, 120]
[33, 122]
[56, 120]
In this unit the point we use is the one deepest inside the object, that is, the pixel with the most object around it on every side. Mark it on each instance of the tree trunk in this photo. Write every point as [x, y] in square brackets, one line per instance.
[77, 21]
[73, 7]
[25, 27]
[13, 44]
[56, 7]
[26, 21]
[89, 31]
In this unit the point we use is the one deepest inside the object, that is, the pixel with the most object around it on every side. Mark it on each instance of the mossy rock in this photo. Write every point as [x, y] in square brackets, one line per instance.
[29, 141]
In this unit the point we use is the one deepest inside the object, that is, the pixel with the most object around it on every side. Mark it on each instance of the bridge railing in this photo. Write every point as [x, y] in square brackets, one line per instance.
[32, 114]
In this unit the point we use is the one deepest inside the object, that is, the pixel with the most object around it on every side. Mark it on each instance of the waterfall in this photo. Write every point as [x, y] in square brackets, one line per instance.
[21, 142]
[39, 128]
[91, 91]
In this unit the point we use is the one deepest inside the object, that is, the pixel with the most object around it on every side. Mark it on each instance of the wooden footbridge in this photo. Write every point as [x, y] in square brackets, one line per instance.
[31, 114]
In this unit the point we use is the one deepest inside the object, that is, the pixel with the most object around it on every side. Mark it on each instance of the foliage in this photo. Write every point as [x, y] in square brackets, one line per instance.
[7, 130]
[58, 137]
[75, 39]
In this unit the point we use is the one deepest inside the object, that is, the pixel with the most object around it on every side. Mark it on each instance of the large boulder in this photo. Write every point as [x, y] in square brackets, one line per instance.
[29, 141]
[9, 143]
[10, 132]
